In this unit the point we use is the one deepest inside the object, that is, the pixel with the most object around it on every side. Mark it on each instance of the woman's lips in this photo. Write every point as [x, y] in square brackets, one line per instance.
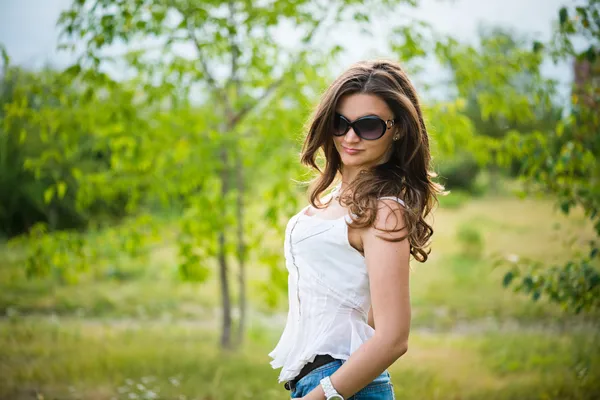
[351, 151]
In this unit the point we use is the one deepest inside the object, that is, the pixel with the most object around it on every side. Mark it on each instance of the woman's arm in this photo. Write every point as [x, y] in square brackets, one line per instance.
[388, 268]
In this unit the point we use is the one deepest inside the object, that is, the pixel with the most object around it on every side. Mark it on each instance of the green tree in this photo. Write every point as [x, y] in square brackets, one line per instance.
[499, 77]
[45, 145]
[561, 160]
[225, 58]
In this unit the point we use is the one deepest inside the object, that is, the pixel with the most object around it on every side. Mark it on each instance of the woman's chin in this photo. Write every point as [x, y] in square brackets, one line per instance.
[352, 161]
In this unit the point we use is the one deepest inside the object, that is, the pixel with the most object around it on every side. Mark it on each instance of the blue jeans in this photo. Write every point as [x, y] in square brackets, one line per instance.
[380, 389]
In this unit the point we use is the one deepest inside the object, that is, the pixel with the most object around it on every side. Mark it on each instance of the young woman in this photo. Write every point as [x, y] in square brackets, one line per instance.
[348, 254]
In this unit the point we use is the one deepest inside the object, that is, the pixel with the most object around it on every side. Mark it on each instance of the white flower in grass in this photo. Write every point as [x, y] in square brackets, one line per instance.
[174, 381]
[513, 258]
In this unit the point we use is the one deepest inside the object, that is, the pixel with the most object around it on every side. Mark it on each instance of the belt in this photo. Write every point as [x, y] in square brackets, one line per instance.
[320, 359]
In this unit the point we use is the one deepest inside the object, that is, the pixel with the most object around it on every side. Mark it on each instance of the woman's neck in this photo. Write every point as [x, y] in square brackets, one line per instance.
[348, 175]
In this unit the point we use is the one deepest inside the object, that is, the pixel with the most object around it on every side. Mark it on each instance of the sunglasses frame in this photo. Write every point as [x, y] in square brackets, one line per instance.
[384, 124]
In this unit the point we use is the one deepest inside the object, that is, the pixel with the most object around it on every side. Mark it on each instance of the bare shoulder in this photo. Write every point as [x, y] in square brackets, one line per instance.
[389, 217]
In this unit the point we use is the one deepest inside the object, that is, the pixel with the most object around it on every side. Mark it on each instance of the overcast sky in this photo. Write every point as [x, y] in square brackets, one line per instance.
[28, 27]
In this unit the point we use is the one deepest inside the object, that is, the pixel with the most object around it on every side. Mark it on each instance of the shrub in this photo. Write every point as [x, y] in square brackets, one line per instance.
[471, 241]
[459, 172]
[453, 200]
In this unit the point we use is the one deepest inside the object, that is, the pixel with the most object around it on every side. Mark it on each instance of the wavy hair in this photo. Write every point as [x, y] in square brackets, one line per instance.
[405, 175]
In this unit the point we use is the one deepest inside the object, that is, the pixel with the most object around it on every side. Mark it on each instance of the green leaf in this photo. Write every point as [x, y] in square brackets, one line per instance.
[4, 55]
[361, 17]
[563, 15]
[61, 189]
[528, 283]
[591, 54]
[73, 70]
[48, 194]
[508, 277]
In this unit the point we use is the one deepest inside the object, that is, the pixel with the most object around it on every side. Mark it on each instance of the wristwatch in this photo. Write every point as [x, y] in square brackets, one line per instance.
[330, 392]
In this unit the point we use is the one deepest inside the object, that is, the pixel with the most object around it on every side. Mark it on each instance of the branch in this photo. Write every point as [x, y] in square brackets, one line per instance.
[205, 69]
[220, 92]
[249, 107]
[235, 52]
[274, 85]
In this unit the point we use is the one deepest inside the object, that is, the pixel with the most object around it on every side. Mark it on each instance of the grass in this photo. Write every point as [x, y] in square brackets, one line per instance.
[145, 334]
[79, 358]
[72, 358]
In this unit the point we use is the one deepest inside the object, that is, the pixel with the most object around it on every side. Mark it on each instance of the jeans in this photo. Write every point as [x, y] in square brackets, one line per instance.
[380, 389]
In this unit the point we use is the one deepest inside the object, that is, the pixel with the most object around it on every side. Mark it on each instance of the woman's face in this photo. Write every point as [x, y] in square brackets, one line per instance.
[370, 152]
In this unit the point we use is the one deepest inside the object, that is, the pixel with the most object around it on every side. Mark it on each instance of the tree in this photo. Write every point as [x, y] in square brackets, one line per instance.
[225, 57]
[45, 143]
[500, 79]
[561, 160]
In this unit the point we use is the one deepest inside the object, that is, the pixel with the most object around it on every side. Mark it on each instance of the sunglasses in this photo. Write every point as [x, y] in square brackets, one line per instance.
[369, 127]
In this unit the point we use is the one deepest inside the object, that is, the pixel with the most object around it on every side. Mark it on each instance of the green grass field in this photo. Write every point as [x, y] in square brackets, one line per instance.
[149, 335]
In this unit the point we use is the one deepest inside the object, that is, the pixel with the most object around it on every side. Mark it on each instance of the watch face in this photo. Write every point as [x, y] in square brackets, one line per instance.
[335, 397]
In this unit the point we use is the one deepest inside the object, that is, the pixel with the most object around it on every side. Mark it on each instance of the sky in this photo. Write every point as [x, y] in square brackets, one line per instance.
[28, 28]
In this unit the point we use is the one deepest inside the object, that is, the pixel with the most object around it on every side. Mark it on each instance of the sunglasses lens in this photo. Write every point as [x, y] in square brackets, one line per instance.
[370, 128]
[340, 125]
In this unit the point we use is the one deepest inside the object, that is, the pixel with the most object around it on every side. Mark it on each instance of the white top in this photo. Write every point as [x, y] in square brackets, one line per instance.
[328, 293]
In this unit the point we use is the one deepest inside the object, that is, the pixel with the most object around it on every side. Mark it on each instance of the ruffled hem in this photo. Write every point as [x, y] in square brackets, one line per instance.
[281, 351]
[339, 340]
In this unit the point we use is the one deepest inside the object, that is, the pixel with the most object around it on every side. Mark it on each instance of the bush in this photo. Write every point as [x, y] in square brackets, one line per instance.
[37, 180]
[459, 172]
[471, 241]
[454, 199]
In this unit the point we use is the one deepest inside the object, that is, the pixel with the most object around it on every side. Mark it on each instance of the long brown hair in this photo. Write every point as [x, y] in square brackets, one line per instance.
[405, 175]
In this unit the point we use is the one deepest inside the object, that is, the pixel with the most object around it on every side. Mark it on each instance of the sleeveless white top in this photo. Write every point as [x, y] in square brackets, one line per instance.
[328, 293]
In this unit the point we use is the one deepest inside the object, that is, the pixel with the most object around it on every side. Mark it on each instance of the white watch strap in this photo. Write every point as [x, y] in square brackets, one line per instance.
[329, 390]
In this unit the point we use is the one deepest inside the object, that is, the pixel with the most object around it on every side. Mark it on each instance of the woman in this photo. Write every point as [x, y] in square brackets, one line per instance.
[348, 255]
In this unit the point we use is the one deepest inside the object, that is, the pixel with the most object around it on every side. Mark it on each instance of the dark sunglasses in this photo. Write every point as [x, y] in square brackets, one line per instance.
[369, 127]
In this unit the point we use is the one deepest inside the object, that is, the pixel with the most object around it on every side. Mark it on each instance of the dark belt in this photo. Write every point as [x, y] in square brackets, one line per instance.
[320, 359]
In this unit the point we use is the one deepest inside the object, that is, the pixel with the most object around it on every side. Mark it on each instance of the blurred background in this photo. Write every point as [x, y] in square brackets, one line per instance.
[149, 164]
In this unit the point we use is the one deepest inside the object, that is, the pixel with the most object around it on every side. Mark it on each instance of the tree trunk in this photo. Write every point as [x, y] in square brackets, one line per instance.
[225, 296]
[241, 246]
[494, 173]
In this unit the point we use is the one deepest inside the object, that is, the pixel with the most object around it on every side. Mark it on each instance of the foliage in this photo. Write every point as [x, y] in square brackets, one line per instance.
[575, 285]
[43, 150]
[196, 106]
[500, 80]
[459, 171]
[511, 104]
[564, 162]
[68, 256]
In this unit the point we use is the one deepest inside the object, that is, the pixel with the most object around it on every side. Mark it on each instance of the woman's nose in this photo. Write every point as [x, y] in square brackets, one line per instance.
[351, 136]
